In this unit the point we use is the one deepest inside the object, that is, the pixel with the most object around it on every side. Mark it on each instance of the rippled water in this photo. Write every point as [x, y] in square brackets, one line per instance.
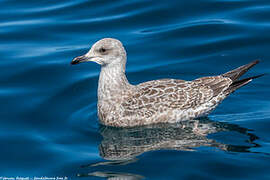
[49, 125]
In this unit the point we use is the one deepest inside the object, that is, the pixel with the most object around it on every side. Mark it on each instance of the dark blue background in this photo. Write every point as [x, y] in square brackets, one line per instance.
[48, 121]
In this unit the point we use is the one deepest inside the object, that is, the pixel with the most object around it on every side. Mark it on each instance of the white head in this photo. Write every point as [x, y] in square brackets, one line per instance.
[106, 52]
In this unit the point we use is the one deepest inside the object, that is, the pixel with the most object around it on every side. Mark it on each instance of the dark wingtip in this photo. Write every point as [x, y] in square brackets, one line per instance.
[256, 61]
[240, 83]
[235, 74]
[247, 79]
[254, 77]
[251, 64]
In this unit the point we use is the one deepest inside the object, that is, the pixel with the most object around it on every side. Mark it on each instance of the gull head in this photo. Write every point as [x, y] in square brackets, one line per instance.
[107, 51]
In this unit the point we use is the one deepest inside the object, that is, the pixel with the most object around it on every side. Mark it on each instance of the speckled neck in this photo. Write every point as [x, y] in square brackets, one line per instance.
[112, 80]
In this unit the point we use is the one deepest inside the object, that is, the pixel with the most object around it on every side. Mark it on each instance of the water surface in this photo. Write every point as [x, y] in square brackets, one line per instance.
[49, 125]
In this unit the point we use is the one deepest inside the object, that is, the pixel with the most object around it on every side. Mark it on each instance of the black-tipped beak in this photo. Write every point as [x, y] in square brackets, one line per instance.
[78, 60]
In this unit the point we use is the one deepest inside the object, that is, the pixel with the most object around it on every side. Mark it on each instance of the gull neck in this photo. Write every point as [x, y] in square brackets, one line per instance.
[112, 80]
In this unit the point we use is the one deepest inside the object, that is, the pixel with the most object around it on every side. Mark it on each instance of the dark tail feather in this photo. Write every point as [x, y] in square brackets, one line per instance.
[235, 74]
[239, 83]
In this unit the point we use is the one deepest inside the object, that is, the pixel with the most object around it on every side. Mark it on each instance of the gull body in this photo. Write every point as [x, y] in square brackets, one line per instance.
[122, 104]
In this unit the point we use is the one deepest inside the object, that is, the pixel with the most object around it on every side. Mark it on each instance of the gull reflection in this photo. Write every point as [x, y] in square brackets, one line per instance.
[127, 143]
[113, 175]
[121, 146]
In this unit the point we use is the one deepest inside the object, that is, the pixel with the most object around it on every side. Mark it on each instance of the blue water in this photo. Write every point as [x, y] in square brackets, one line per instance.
[49, 125]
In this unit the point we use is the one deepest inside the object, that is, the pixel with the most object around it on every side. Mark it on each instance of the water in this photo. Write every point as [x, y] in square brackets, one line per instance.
[49, 125]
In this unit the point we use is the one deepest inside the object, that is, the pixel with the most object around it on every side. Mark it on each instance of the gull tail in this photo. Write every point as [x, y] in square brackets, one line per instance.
[235, 74]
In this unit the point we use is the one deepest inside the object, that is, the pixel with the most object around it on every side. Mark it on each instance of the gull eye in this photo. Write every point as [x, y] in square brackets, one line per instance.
[102, 50]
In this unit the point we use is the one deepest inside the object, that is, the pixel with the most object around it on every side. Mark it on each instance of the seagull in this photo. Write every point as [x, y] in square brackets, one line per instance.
[121, 104]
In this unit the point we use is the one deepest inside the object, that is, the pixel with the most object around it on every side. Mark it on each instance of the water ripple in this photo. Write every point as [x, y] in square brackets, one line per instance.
[48, 108]
[171, 27]
[46, 8]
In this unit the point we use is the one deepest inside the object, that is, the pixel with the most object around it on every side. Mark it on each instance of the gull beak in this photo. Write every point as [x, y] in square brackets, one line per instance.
[85, 58]
[79, 59]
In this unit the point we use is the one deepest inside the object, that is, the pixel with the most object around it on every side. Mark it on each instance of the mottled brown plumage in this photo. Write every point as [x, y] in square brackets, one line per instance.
[165, 100]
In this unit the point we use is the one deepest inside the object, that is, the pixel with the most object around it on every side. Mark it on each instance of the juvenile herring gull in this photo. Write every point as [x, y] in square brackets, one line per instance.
[122, 104]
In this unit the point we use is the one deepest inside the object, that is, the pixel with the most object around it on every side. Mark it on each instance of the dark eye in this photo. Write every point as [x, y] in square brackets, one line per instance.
[102, 50]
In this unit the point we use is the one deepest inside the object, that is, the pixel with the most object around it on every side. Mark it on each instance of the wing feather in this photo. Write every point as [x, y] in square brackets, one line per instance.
[161, 95]
[217, 84]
